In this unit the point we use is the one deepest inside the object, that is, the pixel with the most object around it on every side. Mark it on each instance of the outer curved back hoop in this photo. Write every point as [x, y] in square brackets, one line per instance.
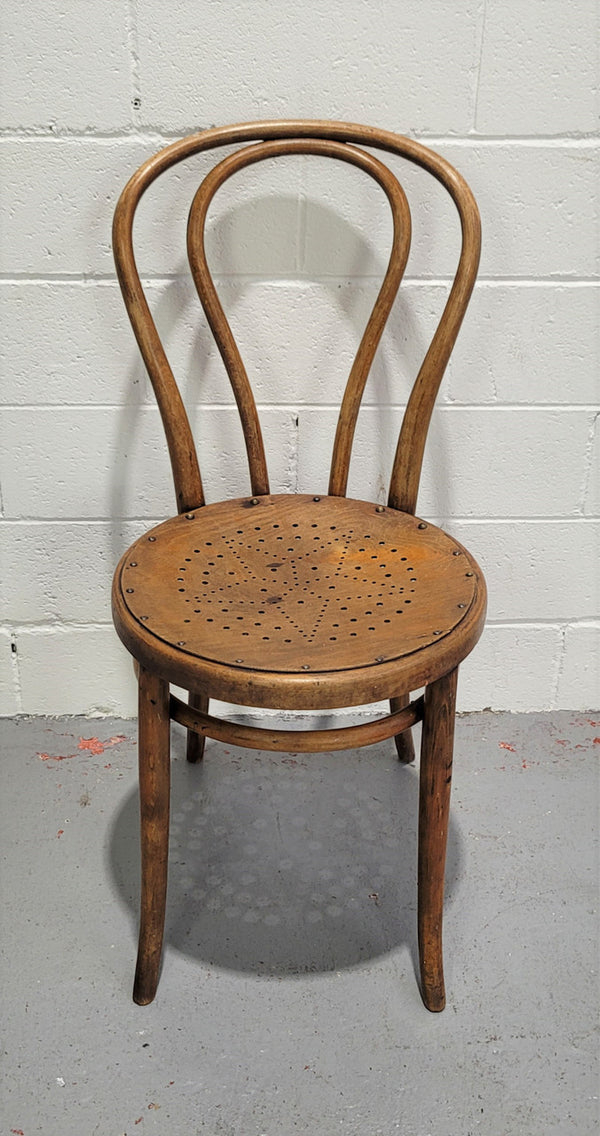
[332, 139]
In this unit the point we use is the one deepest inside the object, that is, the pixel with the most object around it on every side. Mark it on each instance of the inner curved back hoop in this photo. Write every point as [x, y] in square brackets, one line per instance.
[330, 139]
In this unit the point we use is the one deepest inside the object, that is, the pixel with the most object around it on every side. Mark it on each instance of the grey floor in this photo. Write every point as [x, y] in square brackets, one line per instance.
[288, 1001]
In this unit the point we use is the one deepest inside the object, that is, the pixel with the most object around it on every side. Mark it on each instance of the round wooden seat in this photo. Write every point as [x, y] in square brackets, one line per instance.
[295, 587]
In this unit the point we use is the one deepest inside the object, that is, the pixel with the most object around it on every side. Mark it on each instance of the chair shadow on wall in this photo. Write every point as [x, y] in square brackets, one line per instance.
[286, 865]
[294, 864]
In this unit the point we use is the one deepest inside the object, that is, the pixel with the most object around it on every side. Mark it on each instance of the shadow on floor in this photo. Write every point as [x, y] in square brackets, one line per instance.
[286, 865]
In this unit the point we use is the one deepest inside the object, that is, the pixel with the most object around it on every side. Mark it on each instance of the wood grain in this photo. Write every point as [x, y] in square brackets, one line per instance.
[292, 581]
[297, 741]
[409, 455]
[154, 775]
[437, 744]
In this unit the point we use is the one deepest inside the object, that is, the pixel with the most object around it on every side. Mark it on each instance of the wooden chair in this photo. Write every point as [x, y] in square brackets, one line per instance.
[298, 601]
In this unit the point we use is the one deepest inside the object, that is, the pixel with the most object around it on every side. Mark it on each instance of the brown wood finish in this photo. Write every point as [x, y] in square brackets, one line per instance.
[297, 601]
[195, 741]
[297, 741]
[405, 746]
[154, 773]
[222, 332]
[276, 586]
[306, 690]
[407, 465]
[437, 743]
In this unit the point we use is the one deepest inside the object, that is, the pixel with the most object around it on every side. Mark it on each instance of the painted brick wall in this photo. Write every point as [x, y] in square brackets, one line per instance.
[507, 91]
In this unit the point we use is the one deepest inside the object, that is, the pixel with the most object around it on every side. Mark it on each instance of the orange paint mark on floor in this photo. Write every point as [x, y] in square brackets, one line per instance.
[90, 745]
[94, 745]
[507, 745]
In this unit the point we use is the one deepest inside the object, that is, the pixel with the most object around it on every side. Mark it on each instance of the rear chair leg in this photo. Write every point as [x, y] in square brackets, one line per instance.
[434, 801]
[196, 742]
[404, 742]
[154, 772]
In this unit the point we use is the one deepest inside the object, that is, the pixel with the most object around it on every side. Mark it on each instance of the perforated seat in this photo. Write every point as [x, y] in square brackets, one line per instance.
[286, 585]
[297, 601]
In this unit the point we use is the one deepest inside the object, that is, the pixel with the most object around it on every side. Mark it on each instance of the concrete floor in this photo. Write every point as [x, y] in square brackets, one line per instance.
[288, 1001]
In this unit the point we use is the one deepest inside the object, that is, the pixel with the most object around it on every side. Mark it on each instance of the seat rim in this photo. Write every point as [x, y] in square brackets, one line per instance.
[282, 689]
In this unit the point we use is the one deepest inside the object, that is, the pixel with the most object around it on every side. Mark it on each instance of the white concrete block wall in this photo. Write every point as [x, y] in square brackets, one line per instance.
[508, 92]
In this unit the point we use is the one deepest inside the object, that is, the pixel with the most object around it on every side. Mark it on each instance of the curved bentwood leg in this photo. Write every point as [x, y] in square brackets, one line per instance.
[405, 746]
[154, 771]
[196, 742]
[434, 801]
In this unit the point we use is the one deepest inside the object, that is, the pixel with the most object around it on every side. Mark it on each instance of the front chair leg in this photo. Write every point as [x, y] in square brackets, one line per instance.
[154, 771]
[196, 742]
[434, 801]
[405, 747]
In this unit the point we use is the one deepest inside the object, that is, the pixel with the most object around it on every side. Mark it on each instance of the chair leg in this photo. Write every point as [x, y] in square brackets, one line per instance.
[404, 742]
[154, 772]
[195, 742]
[434, 801]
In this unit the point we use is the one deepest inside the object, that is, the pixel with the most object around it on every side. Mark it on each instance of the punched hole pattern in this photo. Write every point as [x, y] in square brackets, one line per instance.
[308, 573]
[346, 594]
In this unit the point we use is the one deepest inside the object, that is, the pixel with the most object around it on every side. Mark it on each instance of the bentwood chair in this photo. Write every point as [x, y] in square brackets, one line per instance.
[298, 601]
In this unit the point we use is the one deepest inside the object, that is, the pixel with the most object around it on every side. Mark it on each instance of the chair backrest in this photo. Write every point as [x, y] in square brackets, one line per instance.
[266, 140]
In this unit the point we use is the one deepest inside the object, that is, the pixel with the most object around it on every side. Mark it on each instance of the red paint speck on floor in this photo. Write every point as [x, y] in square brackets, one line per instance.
[596, 742]
[60, 833]
[55, 757]
[507, 745]
[17, 1132]
[139, 1120]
